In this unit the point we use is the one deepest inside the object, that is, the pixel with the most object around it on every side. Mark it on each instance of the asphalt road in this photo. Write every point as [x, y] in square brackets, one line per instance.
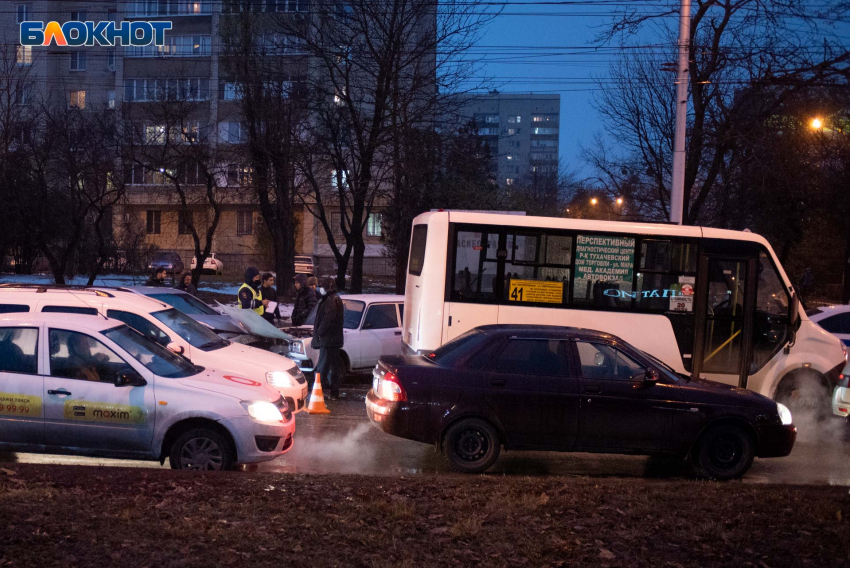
[345, 442]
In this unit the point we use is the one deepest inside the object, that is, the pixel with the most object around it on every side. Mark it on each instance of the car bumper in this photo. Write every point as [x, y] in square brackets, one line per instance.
[776, 440]
[296, 397]
[260, 441]
[399, 419]
[304, 362]
[841, 401]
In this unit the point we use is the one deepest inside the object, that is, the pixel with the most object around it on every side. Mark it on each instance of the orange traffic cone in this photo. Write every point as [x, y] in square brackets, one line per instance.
[317, 399]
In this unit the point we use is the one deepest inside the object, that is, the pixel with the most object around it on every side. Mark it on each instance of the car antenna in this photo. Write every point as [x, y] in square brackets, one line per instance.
[97, 312]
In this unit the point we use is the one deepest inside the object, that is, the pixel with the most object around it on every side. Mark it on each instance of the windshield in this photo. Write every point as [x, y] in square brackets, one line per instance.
[156, 358]
[451, 351]
[186, 303]
[194, 333]
[353, 313]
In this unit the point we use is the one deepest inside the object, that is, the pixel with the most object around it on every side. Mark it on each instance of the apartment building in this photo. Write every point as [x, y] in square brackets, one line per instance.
[189, 67]
[521, 131]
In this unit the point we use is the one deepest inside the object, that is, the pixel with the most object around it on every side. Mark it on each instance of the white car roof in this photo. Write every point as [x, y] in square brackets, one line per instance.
[115, 298]
[373, 298]
[826, 311]
[93, 323]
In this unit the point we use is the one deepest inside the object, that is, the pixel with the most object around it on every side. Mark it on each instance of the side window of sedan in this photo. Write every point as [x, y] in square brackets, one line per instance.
[532, 357]
[600, 361]
[79, 356]
[141, 325]
[381, 316]
[18, 350]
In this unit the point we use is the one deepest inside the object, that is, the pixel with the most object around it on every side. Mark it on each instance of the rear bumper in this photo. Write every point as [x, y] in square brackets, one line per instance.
[841, 401]
[776, 441]
[399, 419]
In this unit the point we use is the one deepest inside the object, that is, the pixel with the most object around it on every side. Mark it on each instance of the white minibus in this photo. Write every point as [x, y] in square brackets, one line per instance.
[710, 303]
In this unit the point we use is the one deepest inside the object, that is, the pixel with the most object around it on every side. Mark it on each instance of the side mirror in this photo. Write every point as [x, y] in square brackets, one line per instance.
[794, 312]
[650, 378]
[128, 377]
[176, 348]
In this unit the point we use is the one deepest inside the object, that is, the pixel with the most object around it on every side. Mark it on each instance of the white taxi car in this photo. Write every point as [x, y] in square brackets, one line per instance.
[212, 265]
[167, 326]
[371, 327]
[84, 385]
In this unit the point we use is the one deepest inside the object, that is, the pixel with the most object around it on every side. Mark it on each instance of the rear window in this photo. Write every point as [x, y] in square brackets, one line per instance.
[70, 310]
[451, 352]
[13, 309]
[417, 249]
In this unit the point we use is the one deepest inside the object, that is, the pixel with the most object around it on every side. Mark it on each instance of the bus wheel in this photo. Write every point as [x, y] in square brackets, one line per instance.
[804, 394]
[723, 453]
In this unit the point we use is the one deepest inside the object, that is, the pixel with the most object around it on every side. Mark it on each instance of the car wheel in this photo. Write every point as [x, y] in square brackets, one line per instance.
[201, 450]
[804, 396]
[471, 445]
[723, 453]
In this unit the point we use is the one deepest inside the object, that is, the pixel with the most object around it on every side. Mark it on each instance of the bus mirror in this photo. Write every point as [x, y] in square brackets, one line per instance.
[794, 312]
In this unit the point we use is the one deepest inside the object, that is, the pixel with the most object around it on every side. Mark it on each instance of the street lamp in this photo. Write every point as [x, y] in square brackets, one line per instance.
[594, 201]
[817, 123]
[619, 201]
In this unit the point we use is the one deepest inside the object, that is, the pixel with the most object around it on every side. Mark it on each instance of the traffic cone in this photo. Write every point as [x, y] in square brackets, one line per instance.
[317, 399]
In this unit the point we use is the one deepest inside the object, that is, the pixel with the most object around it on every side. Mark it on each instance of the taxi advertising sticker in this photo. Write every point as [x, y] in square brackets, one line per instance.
[19, 404]
[87, 411]
[537, 291]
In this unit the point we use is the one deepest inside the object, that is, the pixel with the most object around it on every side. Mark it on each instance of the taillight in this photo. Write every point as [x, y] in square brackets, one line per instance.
[389, 388]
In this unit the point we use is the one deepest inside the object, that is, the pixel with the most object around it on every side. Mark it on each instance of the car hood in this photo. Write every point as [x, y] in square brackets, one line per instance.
[219, 323]
[231, 384]
[258, 360]
[726, 394]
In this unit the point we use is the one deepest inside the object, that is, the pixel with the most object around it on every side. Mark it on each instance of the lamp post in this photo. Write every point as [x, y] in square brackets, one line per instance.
[677, 191]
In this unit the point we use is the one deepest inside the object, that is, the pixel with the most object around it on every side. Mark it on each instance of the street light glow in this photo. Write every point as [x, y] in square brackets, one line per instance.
[817, 123]
[594, 201]
[619, 201]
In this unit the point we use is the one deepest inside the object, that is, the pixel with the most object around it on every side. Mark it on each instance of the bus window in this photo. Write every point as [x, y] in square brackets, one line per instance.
[537, 269]
[725, 316]
[474, 274]
[667, 277]
[604, 271]
[771, 317]
[417, 249]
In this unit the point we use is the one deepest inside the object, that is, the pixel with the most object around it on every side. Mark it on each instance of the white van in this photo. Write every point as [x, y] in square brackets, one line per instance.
[167, 326]
[92, 386]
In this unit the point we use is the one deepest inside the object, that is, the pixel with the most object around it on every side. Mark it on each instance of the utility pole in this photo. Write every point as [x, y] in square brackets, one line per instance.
[677, 192]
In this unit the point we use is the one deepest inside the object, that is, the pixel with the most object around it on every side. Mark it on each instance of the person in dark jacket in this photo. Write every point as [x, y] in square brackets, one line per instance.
[268, 292]
[305, 300]
[185, 284]
[249, 296]
[328, 337]
[157, 278]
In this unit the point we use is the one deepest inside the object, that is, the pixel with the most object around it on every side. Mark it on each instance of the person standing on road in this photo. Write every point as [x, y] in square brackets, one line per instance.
[249, 296]
[268, 292]
[185, 284]
[305, 300]
[157, 278]
[328, 337]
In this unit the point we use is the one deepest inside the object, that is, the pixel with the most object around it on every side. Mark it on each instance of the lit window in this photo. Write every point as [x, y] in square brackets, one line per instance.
[23, 55]
[110, 99]
[509, 181]
[77, 99]
[514, 119]
[373, 225]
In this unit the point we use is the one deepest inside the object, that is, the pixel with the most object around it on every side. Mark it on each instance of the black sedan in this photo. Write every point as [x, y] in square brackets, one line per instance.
[530, 387]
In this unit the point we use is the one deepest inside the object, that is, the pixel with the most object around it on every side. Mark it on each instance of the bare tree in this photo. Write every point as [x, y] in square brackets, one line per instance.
[748, 58]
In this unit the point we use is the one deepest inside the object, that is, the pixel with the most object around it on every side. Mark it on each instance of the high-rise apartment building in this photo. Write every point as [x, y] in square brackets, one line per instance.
[521, 131]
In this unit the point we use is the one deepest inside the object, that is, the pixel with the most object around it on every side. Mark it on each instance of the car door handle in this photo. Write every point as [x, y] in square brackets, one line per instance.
[497, 382]
[593, 390]
[63, 391]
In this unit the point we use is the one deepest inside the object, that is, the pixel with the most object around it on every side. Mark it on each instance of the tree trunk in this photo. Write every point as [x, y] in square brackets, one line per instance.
[357, 265]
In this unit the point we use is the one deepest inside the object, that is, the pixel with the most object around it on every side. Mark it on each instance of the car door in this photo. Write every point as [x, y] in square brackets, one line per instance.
[380, 334]
[620, 411]
[21, 409]
[82, 406]
[530, 390]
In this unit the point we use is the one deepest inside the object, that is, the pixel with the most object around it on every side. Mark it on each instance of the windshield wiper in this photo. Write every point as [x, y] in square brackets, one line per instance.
[220, 342]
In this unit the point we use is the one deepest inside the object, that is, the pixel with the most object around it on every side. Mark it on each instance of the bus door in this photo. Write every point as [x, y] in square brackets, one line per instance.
[725, 302]
[472, 279]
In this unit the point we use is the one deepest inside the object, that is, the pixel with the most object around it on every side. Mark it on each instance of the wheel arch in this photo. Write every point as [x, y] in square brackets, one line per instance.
[179, 428]
[728, 420]
[805, 373]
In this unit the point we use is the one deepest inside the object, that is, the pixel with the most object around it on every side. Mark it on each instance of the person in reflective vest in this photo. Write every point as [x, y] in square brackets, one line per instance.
[249, 295]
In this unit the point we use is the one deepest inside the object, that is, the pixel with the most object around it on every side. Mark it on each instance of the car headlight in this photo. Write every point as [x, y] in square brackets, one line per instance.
[280, 379]
[784, 414]
[296, 347]
[263, 411]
